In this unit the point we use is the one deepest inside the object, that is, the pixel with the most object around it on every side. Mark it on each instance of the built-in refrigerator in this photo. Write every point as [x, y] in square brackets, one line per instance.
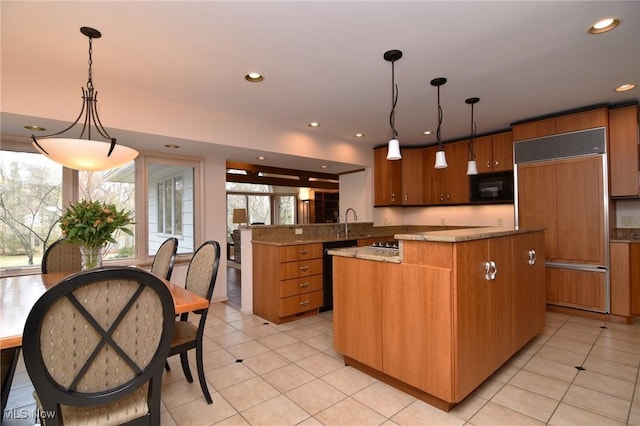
[561, 185]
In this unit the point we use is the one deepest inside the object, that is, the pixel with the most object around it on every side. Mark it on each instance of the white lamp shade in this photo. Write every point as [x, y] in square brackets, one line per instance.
[393, 152]
[441, 160]
[472, 168]
[304, 194]
[85, 154]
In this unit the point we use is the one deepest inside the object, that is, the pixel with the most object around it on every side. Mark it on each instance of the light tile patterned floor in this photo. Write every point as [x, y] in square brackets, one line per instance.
[289, 375]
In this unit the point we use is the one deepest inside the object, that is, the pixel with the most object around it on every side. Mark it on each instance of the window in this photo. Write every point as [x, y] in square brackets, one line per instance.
[34, 191]
[30, 206]
[170, 204]
[118, 187]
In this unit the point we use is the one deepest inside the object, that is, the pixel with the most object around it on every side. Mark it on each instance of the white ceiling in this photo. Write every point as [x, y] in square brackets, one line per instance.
[173, 72]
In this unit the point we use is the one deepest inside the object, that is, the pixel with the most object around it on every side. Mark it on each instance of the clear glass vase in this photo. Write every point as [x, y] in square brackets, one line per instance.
[91, 257]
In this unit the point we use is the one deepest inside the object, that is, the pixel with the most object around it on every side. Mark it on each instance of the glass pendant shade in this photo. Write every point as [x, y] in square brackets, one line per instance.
[85, 154]
[393, 151]
[472, 168]
[441, 160]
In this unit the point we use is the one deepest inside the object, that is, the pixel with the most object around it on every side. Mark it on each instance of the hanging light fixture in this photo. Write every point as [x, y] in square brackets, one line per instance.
[393, 150]
[472, 168]
[85, 154]
[441, 159]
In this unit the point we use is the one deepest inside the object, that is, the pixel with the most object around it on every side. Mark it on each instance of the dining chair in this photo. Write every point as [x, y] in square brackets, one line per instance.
[94, 346]
[201, 279]
[164, 259]
[61, 256]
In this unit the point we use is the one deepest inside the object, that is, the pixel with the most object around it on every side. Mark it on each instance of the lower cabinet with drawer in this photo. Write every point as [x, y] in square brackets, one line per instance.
[287, 281]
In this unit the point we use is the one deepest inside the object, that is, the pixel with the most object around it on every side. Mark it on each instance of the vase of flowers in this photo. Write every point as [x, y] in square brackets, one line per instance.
[91, 225]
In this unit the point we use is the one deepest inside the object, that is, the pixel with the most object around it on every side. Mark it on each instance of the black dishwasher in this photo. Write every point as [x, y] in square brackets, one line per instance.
[327, 270]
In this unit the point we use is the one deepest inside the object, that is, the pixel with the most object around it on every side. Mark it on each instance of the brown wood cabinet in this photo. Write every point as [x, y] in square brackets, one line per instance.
[624, 151]
[625, 278]
[449, 185]
[398, 182]
[494, 153]
[561, 124]
[438, 324]
[287, 281]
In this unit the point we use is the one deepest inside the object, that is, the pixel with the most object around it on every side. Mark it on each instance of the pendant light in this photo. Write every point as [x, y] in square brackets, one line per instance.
[441, 159]
[472, 168]
[86, 154]
[393, 150]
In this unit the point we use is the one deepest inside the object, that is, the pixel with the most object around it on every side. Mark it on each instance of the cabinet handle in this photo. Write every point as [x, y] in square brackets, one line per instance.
[448, 196]
[490, 270]
[393, 196]
[305, 303]
[488, 164]
[441, 197]
[304, 268]
[532, 257]
[304, 285]
[496, 163]
[406, 197]
[304, 251]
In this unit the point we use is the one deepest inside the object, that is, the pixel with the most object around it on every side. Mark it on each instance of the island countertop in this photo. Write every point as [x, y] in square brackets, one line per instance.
[464, 234]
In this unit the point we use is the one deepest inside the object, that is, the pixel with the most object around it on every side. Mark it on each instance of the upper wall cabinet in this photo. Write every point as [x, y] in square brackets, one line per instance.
[398, 182]
[624, 151]
[449, 185]
[561, 124]
[494, 153]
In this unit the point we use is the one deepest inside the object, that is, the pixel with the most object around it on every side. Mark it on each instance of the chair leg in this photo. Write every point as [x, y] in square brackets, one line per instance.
[185, 366]
[166, 366]
[200, 366]
[9, 361]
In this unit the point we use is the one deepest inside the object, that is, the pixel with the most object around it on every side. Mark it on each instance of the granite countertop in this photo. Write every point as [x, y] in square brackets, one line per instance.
[368, 253]
[625, 235]
[464, 234]
[315, 241]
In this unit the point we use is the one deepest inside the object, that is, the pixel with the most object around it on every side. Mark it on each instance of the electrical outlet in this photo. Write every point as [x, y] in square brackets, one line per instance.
[500, 221]
[387, 221]
[627, 220]
[635, 221]
[298, 231]
[442, 221]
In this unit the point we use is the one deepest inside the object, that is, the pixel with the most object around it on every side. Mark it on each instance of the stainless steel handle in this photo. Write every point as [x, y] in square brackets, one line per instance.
[496, 163]
[441, 197]
[532, 257]
[488, 163]
[304, 285]
[406, 197]
[448, 196]
[304, 268]
[393, 196]
[490, 270]
[304, 251]
[305, 303]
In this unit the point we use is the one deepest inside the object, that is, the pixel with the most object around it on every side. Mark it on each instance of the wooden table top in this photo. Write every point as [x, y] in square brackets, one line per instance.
[18, 295]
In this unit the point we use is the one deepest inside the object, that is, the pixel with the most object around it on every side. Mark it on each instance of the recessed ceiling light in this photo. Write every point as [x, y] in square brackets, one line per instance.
[625, 87]
[359, 135]
[427, 132]
[172, 146]
[604, 25]
[314, 124]
[324, 166]
[261, 158]
[35, 128]
[254, 77]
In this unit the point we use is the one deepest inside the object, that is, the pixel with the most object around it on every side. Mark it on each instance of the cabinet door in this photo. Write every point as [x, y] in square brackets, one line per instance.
[624, 151]
[576, 288]
[357, 310]
[581, 120]
[580, 210]
[483, 149]
[387, 179]
[457, 180]
[537, 202]
[529, 302]
[471, 313]
[534, 129]
[502, 152]
[500, 301]
[433, 178]
[417, 327]
[412, 177]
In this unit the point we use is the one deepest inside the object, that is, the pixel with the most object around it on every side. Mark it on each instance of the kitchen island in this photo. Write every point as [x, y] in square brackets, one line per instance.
[440, 315]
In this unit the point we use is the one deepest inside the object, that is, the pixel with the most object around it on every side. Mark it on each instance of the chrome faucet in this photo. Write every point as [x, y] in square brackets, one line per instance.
[346, 220]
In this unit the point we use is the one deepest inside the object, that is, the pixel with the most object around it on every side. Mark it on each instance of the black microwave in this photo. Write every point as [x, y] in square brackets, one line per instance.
[491, 187]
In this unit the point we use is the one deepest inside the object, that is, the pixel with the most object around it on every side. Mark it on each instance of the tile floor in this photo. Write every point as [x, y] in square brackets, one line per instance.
[289, 375]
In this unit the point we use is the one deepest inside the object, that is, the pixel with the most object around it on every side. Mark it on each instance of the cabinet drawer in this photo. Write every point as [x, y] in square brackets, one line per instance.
[300, 252]
[303, 268]
[297, 304]
[300, 285]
